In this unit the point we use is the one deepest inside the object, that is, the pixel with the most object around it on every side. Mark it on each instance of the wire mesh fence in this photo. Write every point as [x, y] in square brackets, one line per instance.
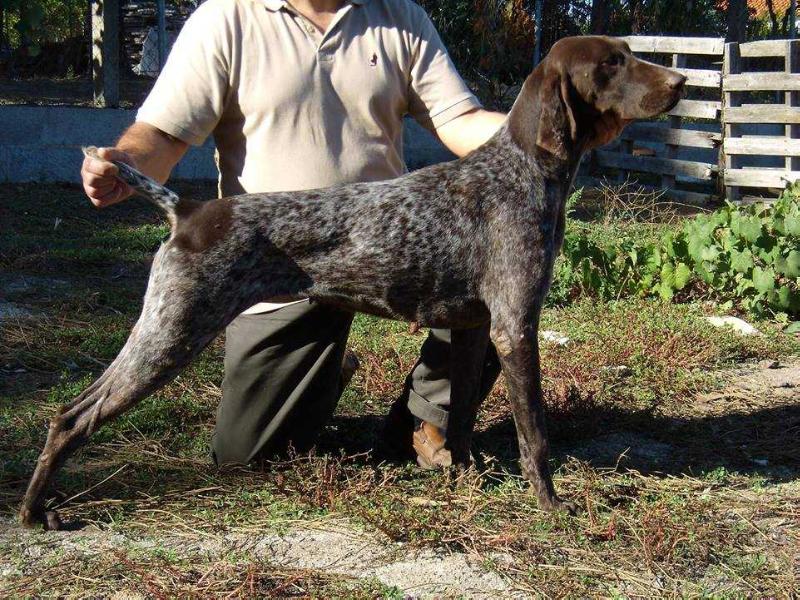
[141, 41]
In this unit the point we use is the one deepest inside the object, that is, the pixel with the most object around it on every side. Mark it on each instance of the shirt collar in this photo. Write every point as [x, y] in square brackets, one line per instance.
[276, 5]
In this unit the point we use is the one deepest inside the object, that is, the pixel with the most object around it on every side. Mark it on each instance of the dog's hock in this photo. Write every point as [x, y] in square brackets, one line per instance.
[502, 342]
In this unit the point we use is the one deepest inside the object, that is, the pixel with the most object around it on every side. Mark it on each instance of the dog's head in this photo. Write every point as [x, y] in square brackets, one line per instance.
[590, 87]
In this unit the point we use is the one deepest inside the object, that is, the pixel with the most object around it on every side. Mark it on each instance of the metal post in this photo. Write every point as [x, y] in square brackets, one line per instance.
[162, 33]
[537, 49]
[792, 19]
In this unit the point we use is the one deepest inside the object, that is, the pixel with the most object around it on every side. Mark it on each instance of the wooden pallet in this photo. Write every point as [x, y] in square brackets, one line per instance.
[664, 139]
[739, 80]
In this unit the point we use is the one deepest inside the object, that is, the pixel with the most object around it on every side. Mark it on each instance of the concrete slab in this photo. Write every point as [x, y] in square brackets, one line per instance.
[42, 143]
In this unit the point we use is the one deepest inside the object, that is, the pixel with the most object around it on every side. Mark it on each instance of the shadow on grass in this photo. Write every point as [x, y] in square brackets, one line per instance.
[762, 443]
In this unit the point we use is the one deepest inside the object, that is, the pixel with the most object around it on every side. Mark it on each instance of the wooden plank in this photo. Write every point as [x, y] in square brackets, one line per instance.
[626, 149]
[105, 52]
[792, 100]
[764, 145]
[750, 199]
[687, 197]
[752, 82]
[667, 180]
[698, 109]
[675, 45]
[693, 198]
[708, 78]
[762, 113]
[652, 132]
[772, 178]
[660, 166]
[731, 65]
[762, 48]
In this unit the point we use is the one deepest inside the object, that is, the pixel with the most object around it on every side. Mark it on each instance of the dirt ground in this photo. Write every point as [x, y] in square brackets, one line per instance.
[336, 547]
[677, 440]
[68, 91]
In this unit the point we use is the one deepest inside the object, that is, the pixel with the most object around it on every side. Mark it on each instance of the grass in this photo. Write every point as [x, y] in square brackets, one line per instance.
[677, 499]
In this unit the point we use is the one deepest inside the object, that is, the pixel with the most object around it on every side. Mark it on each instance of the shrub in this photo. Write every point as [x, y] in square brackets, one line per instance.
[744, 256]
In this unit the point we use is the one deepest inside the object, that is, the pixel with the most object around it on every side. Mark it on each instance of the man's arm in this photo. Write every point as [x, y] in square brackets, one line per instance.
[468, 131]
[142, 146]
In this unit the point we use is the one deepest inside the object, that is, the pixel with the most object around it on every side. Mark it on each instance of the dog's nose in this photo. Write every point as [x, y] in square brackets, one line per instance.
[676, 81]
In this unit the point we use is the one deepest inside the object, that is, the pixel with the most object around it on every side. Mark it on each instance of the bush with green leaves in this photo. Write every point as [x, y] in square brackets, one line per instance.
[741, 256]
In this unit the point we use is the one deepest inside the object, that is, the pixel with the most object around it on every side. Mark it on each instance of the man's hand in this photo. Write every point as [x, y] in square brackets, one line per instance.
[99, 177]
[142, 146]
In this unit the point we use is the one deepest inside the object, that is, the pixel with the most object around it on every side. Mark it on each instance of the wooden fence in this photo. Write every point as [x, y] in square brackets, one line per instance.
[679, 154]
[761, 116]
[737, 133]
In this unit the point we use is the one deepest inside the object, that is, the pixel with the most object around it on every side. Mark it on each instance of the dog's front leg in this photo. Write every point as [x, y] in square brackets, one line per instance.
[518, 348]
[467, 356]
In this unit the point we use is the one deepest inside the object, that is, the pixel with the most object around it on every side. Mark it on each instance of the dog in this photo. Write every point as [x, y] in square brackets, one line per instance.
[467, 245]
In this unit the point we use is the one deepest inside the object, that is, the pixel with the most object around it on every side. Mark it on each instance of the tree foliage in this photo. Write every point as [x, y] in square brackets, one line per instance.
[29, 24]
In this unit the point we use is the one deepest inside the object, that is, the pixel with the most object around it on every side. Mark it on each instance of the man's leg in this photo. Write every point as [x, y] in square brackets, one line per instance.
[282, 380]
[423, 406]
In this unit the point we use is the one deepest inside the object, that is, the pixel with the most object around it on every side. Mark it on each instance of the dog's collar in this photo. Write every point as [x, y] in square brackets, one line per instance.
[276, 5]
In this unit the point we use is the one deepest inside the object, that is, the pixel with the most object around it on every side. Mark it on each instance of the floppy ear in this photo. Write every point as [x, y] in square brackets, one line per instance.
[558, 129]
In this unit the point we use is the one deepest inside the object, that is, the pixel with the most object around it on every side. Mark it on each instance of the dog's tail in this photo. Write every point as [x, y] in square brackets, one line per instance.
[165, 199]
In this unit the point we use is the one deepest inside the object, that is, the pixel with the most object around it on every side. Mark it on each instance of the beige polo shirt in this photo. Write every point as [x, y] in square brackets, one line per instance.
[291, 108]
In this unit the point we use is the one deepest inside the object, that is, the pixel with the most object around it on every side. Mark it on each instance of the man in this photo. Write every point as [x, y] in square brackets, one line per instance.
[302, 95]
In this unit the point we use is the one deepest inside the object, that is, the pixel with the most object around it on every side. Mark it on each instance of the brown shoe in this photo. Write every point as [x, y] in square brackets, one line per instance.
[429, 443]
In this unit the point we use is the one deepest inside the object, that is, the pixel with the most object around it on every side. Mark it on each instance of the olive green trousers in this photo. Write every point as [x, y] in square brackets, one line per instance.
[283, 380]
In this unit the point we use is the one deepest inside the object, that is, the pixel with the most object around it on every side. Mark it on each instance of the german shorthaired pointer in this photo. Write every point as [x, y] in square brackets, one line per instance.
[467, 245]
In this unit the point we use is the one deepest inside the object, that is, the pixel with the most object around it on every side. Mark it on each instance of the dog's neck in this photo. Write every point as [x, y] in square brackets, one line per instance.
[523, 128]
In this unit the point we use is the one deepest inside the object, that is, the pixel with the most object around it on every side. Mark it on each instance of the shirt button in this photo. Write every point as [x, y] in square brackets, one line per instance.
[310, 28]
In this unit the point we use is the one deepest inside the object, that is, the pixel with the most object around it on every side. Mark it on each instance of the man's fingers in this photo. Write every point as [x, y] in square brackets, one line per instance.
[99, 181]
[97, 191]
[114, 154]
[99, 167]
[99, 177]
[112, 195]
[103, 198]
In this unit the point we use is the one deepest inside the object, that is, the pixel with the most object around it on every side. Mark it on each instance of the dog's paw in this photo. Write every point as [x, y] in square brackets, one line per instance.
[48, 519]
[52, 522]
[558, 505]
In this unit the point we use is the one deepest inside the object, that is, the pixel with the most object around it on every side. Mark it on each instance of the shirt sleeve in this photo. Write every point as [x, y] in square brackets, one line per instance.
[437, 92]
[188, 98]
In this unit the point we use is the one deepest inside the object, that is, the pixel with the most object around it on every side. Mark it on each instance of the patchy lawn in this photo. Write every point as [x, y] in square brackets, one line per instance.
[685, 462]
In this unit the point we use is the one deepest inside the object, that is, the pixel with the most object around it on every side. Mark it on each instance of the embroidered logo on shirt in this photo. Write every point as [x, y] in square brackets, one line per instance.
[374, 60]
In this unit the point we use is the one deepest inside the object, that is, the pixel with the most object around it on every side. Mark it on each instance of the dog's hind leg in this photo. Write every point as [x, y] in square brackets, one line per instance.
[172, 330]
